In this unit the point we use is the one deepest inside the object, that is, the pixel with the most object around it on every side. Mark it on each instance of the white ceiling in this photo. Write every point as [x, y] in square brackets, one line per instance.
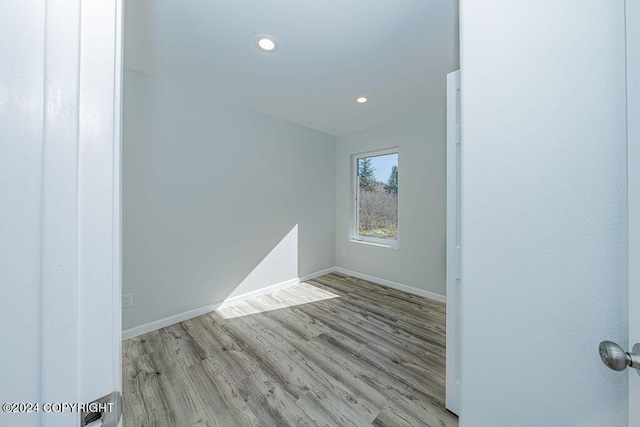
[395, 52]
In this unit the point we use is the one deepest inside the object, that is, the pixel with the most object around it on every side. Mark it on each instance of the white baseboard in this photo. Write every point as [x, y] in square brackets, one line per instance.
[181, 317]
[390, 284]
[262, 291]
[168, 321]
[317, 274]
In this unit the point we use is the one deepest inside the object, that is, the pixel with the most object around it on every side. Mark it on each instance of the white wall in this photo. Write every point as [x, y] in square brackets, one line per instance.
[420, 260]
[544, 212]
[218, 200]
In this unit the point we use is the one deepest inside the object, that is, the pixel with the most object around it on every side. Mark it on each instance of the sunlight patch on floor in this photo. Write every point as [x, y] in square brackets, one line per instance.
[287, 296]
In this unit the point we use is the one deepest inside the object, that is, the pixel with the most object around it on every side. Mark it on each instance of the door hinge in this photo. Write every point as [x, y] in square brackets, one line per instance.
[107, 409]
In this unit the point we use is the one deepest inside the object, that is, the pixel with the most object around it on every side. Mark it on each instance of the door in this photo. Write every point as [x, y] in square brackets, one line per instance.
[60, 217]
[633, 150]
[453, 242]
[544, 218]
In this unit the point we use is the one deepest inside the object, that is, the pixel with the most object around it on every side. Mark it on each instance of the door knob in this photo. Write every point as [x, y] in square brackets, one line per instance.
[617, 359]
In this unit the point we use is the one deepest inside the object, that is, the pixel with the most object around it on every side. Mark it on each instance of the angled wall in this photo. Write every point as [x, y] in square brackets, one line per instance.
[218, 200]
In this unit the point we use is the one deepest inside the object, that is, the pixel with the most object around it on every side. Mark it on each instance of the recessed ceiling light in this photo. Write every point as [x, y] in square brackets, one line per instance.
[266, 43]
[361, 100]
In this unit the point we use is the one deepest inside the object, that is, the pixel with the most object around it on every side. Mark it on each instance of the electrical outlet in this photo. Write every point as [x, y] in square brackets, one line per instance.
[343, 252]
[127, 300]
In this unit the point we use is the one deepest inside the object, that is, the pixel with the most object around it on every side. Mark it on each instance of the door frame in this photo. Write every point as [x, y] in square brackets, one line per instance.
[633, 180]
[81, 332]
[453, 279]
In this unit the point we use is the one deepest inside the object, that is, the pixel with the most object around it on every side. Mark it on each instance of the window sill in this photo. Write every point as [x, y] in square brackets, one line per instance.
[391, 245]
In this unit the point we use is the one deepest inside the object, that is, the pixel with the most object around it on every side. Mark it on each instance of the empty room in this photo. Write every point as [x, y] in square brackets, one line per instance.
[284, 204]
[304, 213]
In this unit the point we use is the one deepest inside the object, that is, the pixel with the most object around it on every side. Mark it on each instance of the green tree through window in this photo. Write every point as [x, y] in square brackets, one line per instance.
[392, 183]
[366, 172]
[376, 202]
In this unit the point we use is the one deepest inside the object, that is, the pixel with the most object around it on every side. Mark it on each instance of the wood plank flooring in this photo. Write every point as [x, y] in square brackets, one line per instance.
[333, 351]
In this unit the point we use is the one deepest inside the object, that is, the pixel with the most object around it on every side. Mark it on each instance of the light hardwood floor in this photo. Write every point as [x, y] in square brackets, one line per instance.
[333, 351]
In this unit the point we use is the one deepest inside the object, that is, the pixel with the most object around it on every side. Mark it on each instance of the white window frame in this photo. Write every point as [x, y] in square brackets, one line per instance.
[355, 206]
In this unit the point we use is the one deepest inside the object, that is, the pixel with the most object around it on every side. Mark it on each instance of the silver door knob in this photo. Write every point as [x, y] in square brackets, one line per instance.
[617, 359]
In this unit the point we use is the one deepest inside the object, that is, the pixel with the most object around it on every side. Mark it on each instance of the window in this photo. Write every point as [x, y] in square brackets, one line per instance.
[375, 201]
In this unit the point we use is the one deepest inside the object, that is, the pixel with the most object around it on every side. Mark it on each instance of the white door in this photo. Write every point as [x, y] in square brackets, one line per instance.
[60, 79]
[633, 150]
[453, 241]
[544, 219]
